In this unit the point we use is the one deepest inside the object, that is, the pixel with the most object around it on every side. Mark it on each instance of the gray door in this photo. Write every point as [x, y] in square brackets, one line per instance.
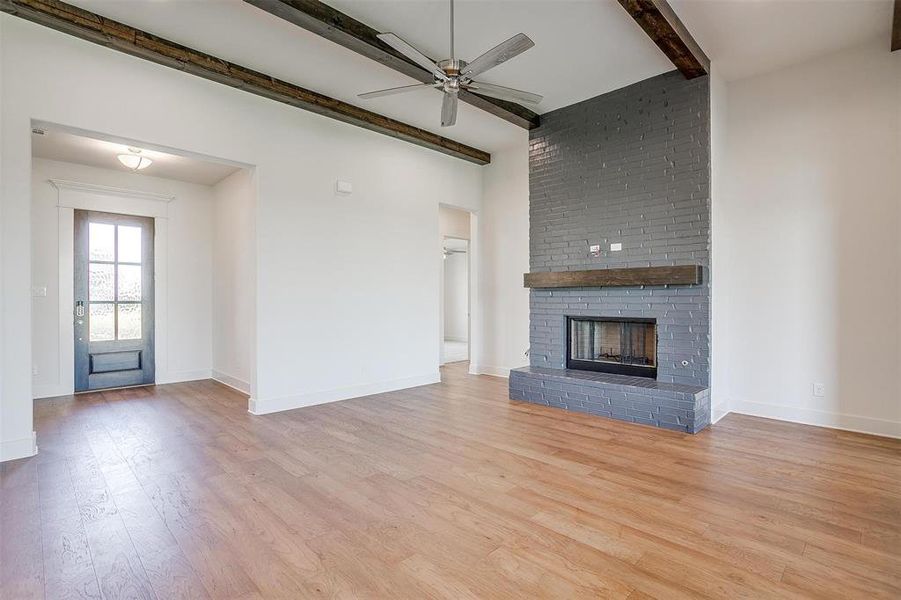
[113, 300]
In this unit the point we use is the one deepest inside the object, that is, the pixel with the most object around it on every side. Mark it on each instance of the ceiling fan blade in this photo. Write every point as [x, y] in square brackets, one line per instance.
[503, 52]
[504, 93]
[449, 109]
[412, 53]
[395, 90]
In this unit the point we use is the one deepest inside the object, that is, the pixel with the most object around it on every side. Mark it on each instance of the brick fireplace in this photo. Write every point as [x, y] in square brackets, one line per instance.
[628, 168]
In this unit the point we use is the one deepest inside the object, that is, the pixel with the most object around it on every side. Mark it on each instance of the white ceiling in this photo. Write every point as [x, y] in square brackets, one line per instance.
[62, 145]
[749, 37]
[583, 47]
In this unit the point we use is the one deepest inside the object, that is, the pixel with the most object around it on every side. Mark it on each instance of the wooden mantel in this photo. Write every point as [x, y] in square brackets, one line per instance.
[625, 277]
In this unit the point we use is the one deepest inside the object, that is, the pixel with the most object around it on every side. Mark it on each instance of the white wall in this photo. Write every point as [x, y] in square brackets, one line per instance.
[504, 228]
[12, 424]
[720, 270]
[234, 280]
[456, 297]
[808, 241]
[321, 276]
[184, 311]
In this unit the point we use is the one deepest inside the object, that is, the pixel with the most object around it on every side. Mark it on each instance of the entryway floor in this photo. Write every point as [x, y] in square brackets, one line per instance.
[443, 491]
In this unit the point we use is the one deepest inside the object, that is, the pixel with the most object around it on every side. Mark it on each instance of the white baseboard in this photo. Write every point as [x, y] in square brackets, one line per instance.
[20, 448]
[809, 416]
[260, 406]
[719, 411]
[489, 370]
[232, 382]
[50, 390]
[182, 376]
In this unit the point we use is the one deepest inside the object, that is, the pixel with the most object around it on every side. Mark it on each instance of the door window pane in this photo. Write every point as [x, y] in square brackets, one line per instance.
[101, 242]
[129, 321]
[129, 283]
[101, 323]
[129, 244]
[100, 282]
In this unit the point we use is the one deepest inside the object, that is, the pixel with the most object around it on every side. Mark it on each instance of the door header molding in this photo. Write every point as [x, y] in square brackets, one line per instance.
[79, 186]
[105, 198]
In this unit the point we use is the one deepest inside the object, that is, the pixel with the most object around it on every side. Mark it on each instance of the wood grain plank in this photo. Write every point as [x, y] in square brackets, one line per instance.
[448, 490]
[624, 277]
[660, 22]
[21, 563]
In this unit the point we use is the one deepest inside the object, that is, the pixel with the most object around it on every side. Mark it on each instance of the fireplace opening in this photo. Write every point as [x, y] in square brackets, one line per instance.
[612, 345]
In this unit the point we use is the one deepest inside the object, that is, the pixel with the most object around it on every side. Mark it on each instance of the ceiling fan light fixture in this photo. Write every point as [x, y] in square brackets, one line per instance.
[452, 75]
[134, 161]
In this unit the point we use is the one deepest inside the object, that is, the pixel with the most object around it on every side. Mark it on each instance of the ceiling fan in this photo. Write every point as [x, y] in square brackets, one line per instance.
[453, 74]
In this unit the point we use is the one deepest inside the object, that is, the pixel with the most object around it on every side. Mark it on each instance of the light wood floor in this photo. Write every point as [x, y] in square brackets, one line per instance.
[445, 491]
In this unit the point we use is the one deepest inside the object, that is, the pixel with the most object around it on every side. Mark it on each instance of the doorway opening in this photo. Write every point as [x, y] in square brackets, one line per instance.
[455, 300]
[143, 265]
[114, 304]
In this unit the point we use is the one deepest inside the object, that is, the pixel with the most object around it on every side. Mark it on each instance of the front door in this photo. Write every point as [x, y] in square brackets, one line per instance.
[113, 300]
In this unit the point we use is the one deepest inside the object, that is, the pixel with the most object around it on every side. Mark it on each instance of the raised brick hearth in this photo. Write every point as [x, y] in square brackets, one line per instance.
[629, 167]
[636, 399]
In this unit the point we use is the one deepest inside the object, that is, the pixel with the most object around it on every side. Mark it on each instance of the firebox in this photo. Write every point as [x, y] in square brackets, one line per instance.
[612, 345]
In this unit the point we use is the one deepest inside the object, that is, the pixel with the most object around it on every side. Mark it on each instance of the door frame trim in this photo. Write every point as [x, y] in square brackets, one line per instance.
[474, 260]
[86, 351]
[72, 195]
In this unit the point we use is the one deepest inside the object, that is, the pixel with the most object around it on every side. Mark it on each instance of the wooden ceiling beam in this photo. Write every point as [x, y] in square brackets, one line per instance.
[325, 21]
[665, 29]
[896, 27]
[94, 28]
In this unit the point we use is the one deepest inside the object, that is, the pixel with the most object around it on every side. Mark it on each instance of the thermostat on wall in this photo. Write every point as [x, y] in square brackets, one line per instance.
[344, 187]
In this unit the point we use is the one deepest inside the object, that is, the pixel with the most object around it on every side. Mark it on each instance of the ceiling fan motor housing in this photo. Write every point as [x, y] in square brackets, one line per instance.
[452, 66]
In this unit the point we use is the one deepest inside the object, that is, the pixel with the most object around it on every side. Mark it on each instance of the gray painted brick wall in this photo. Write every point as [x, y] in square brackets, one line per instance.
[631, 166]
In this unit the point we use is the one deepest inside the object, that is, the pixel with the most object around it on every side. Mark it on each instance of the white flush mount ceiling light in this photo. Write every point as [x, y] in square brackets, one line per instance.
[134, 161]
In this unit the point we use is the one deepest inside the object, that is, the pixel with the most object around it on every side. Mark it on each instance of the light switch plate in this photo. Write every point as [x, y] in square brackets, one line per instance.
[616, 247]
[344, 187]
[819, 390]
[39, 291]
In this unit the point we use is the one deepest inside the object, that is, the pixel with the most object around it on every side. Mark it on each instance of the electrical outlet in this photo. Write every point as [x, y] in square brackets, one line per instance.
[617, 247]
[819, 390]
[594, 250]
